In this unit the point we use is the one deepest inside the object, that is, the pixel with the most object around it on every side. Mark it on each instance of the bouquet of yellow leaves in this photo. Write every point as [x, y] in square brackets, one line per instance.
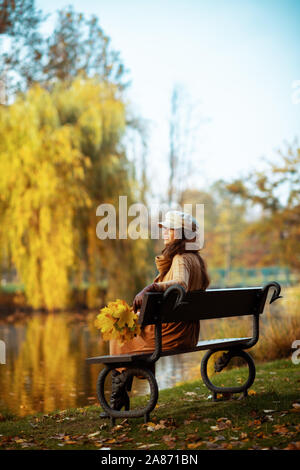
[118, 321]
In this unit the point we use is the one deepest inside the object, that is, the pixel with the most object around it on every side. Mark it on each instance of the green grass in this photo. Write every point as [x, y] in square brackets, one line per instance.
[185, 418]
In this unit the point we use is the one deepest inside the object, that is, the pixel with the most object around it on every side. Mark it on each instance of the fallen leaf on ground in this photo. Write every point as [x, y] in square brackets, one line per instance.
[221, 425]
[117, 427]
[94, 434]
[146, 446]
[261, 435]
[169, 440]
[293, 446]
[150, 428]
[255, 422]
[280, 429]
[195, 445]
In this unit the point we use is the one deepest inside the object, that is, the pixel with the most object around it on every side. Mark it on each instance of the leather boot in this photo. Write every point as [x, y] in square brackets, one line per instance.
[222, 361]
[119, 396]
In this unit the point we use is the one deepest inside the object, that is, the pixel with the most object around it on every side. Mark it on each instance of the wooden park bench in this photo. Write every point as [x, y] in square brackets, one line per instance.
[175, 304]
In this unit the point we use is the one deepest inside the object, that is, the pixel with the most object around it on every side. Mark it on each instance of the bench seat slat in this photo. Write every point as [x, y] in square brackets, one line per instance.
[202, 345]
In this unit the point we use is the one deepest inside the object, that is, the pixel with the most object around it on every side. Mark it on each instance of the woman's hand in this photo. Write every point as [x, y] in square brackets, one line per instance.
[138, 300]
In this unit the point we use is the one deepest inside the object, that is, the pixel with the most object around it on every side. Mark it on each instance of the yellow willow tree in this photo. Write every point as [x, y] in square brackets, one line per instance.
[60, 157]
[98, 115]
[42, 175]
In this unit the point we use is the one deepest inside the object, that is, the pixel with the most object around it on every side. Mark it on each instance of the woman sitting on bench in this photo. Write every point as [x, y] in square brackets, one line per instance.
[178, 264]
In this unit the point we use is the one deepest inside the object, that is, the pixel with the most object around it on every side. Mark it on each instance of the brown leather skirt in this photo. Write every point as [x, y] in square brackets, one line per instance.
[177, 335]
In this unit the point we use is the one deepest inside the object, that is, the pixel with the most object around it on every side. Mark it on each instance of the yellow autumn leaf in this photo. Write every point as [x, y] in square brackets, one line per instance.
[117, 321]
[104, 322]
[194, 445]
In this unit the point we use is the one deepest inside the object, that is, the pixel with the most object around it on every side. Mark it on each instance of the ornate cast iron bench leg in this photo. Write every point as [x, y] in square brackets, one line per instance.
[223, 362]
[131, 371]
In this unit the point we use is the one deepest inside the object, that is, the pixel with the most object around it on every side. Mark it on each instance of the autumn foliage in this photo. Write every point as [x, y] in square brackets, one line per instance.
[118, 321]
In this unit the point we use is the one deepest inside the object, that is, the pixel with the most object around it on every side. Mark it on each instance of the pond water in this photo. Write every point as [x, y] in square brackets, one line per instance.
[45, 366]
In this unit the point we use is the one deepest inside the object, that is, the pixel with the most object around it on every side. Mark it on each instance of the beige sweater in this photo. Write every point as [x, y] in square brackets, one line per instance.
[185, 270]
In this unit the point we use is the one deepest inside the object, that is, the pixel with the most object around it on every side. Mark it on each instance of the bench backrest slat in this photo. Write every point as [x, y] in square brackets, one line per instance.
[200, 305]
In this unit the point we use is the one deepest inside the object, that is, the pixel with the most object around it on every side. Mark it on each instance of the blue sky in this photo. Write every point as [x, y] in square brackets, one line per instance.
[237, 59]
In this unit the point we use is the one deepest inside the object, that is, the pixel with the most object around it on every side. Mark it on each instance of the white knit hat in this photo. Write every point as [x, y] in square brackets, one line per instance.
[177, 220]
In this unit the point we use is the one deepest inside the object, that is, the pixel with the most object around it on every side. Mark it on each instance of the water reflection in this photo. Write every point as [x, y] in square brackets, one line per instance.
[45, 365]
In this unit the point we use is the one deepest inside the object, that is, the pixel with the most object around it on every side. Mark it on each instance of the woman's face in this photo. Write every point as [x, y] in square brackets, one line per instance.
[168, 235]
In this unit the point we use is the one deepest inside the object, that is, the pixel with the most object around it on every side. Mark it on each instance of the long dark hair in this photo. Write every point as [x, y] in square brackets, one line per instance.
[178, 246]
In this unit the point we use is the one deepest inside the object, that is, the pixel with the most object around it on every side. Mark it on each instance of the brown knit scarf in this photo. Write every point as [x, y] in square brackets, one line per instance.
[163, 265]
